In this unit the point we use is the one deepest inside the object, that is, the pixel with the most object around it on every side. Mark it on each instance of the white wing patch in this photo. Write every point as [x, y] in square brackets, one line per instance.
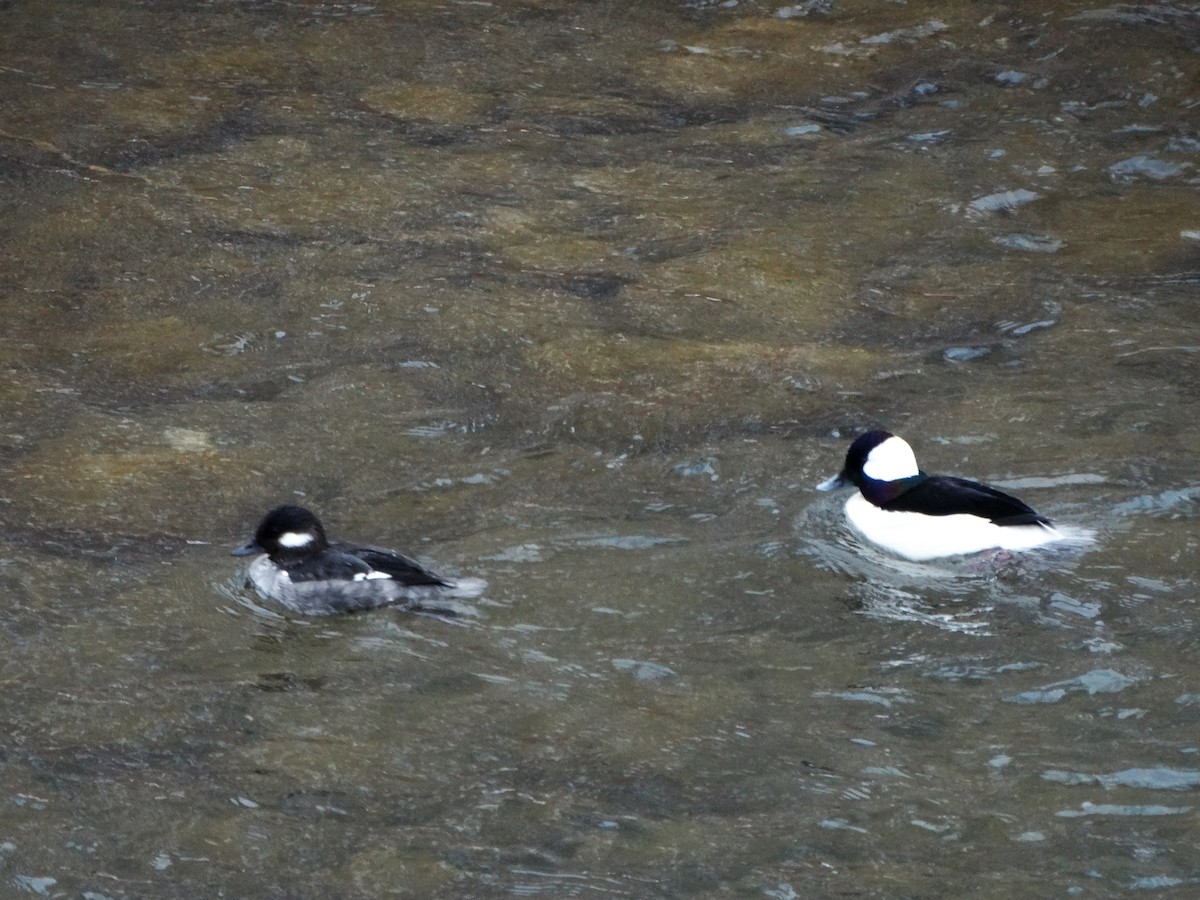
[371, 576]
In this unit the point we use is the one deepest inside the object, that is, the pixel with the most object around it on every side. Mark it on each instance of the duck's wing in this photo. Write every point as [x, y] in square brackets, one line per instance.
[376, 562]
[332, 565]
[944, 495]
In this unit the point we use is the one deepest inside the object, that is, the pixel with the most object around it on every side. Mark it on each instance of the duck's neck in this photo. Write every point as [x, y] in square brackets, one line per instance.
[881, 492]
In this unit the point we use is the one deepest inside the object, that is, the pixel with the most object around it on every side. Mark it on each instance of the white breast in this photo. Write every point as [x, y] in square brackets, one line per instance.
[919, 537]
[268, 579]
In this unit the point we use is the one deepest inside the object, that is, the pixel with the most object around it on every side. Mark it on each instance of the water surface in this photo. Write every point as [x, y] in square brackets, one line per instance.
[583, 299]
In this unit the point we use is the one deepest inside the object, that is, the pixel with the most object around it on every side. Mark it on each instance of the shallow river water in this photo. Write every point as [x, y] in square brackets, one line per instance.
[583, 299]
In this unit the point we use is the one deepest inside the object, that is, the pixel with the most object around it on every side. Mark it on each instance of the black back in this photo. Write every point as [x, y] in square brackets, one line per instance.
[347, 560]
[944, 495]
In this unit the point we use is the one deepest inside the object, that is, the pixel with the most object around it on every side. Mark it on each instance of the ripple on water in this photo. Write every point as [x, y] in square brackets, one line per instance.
[1175, 502]
[893, 589]
[1122, 809]
[1097, 681]
[1145, 166]
[886, 697]
[1033, 243]
[1001, 201]
[624, 541]
[644, 670]
[1159, 778]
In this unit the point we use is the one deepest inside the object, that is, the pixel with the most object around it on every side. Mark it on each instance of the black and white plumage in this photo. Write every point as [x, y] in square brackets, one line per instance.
[298, 567]
[920, 517]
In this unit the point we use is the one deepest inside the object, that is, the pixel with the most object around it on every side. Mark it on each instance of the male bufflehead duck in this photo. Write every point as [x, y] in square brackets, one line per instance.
[921, 516]
[302, 570]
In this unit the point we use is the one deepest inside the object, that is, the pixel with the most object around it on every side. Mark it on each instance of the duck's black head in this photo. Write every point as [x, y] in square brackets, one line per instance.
[286, 532]
[856, 460]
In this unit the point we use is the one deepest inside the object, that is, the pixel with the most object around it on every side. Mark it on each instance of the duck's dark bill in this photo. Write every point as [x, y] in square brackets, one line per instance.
[247, 549]
[832, 484]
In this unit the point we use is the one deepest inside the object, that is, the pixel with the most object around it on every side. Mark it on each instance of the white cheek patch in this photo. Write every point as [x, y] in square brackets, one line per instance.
[295, 539]
[891, 461]
[371, 576]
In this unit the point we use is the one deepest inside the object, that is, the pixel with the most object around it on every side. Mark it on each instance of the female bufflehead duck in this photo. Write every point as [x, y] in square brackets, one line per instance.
[921, 516]
[302, 570]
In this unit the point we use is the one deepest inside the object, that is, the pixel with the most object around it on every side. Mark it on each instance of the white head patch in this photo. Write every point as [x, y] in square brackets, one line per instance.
[891, 461]
[295, 539]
